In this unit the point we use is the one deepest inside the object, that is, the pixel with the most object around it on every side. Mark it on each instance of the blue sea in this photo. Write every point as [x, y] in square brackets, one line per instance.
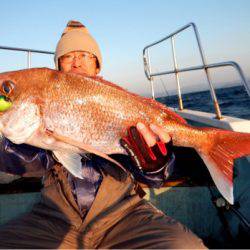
[233, 101]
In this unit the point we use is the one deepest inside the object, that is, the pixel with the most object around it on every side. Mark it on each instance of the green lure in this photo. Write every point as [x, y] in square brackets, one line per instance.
[5, 103]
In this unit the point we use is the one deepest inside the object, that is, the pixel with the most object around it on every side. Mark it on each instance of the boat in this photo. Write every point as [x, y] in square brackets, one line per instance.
[192, 198]
[190, 195]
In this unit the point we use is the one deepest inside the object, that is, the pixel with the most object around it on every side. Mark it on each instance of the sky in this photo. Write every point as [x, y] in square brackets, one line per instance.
[123, 28]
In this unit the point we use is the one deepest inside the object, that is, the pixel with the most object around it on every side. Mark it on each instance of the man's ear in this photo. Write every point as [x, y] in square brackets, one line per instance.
[97, 68]
[59, 65]
[97, 71]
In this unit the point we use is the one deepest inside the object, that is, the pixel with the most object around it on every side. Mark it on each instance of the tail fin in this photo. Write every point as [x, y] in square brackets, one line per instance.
[226, 146]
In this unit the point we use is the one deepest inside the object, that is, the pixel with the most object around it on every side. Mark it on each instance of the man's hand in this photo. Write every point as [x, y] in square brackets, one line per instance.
[149, 147]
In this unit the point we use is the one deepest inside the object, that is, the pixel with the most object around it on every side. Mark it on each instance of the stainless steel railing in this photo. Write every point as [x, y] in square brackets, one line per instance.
[28, 51]
[176, 71]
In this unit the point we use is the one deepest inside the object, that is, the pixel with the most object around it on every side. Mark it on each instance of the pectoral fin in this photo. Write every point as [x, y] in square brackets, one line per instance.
[84, 147]
[71, 161]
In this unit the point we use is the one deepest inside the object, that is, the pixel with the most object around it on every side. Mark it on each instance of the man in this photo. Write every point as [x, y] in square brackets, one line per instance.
[105, 209]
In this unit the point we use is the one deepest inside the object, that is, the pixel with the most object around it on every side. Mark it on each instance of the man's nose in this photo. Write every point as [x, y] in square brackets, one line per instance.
[76, 62]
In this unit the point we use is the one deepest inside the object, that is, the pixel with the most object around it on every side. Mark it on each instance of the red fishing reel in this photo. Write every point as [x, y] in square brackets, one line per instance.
[146, 158]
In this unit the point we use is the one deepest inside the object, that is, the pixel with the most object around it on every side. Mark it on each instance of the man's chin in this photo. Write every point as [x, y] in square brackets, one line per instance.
[82, 72]
[79, 71]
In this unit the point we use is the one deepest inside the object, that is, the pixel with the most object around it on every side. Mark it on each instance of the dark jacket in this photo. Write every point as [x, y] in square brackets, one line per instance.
[29, 161]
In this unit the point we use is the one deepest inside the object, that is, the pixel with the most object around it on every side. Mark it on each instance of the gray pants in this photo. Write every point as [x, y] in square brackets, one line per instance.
[118, 218]
[144, 227]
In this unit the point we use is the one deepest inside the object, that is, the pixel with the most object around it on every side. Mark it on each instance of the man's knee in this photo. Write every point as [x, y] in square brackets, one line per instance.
[178, 236]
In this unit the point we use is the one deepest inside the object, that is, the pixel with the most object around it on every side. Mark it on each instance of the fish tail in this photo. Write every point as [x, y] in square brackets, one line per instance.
[225, 146]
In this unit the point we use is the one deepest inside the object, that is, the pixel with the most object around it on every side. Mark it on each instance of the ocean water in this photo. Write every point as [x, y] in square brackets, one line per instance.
[233, 101]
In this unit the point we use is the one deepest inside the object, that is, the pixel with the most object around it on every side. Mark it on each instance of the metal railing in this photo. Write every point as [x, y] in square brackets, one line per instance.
[28, 51]
[176, 71]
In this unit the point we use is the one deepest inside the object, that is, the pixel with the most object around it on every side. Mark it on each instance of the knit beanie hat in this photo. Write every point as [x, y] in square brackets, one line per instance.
[76, 37]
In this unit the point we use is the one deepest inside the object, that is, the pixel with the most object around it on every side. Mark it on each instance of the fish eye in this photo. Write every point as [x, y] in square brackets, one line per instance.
[7, 87]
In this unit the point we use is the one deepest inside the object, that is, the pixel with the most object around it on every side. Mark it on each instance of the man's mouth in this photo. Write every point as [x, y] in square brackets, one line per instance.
[79, 70]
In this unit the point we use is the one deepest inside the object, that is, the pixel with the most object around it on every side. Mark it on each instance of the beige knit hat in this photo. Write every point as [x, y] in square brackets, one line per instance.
[76, 37]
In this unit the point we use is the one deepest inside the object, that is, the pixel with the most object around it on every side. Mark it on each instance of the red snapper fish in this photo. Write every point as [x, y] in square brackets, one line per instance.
[72, 114]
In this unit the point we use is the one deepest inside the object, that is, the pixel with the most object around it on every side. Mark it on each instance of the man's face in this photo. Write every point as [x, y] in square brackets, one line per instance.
[80, 62]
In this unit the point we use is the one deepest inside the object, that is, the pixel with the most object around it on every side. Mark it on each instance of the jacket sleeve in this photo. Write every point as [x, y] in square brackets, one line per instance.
[24, 160]
[154, 179]
[157, 178]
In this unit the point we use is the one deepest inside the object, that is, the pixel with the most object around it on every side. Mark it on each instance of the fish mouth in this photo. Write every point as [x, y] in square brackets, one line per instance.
[5, 103]
[7, 99]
